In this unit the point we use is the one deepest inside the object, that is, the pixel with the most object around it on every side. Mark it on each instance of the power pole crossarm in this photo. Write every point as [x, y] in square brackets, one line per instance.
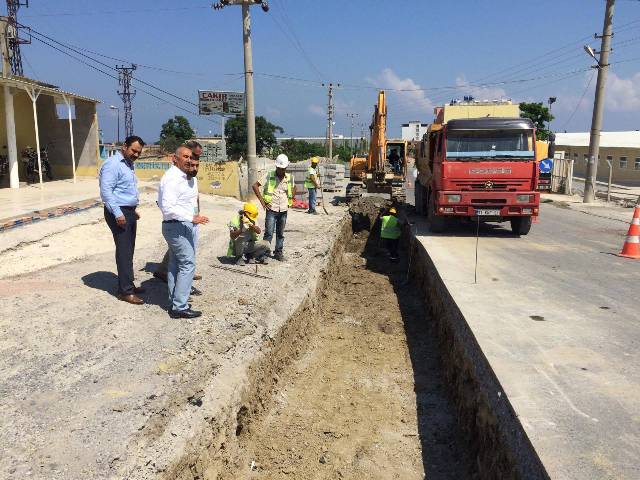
[598, 105]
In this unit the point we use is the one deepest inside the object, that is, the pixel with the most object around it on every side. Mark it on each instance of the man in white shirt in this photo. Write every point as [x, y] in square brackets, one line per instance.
[178, 200]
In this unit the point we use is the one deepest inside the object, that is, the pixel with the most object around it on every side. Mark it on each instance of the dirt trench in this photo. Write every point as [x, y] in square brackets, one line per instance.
[365, 397]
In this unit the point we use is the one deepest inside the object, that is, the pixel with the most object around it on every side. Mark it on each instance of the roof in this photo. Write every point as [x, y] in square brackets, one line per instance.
[629, 139]
[24, 83]
[490, 123]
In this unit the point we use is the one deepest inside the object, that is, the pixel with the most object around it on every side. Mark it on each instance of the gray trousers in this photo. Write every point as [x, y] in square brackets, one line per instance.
[252, 249]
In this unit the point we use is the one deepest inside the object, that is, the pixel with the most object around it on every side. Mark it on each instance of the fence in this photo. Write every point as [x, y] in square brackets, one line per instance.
[562, 176]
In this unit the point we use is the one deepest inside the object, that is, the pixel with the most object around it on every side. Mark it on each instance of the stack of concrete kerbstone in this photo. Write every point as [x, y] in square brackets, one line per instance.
[332, 177]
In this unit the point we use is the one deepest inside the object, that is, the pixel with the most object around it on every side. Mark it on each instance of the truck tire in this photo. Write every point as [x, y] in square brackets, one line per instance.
[437, 224]
[521, 225]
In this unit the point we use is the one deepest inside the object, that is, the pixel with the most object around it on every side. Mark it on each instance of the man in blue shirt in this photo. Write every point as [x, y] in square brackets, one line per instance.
[119, 192]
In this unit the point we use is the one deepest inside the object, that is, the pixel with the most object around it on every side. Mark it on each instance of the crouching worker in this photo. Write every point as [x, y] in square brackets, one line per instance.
[243, 233]
[390, 232]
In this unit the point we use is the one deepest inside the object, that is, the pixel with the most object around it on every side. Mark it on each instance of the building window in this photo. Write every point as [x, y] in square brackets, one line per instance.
[586, 158]
[575, 155]
[637, 163]
[623, 162]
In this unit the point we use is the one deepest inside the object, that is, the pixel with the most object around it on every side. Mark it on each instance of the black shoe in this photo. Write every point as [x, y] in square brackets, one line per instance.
[188, 313]
[278, 256]
[195, 291]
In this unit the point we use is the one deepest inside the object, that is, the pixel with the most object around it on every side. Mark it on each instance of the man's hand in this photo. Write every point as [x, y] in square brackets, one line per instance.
[264, 204]
[121, 221]
[137, 215]
[200, 220]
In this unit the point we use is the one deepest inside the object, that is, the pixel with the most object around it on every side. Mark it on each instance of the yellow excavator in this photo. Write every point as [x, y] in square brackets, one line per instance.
[385, 168]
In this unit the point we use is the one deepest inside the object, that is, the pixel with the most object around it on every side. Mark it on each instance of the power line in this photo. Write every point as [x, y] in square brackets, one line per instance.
[117, 12]
[579, 101]
[110, 75]
[99, 62]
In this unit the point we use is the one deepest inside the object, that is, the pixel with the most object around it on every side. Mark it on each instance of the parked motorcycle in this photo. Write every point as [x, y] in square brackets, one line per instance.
[30, 160]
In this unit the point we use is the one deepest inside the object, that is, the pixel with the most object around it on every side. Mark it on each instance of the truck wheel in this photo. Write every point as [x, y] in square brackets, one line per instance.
[521, 225]
[437, 224]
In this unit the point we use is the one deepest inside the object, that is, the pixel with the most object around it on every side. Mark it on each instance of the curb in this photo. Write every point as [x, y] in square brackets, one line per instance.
[38, 215]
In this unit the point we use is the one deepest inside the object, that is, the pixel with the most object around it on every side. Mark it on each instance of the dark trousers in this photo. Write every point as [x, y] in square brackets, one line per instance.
[391, 244]
[125, 240]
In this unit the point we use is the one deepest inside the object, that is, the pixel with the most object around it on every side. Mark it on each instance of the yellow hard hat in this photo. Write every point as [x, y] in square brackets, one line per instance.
[314, 160]
[251, 210]
[393, 210]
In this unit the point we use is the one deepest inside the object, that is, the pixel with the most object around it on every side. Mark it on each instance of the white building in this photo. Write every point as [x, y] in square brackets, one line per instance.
[413, 131]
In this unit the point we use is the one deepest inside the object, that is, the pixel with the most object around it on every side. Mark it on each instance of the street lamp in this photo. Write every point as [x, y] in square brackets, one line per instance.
[113, 107]
[552, 100]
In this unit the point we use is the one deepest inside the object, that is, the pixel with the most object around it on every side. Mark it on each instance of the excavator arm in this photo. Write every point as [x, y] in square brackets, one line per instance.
[377, 145]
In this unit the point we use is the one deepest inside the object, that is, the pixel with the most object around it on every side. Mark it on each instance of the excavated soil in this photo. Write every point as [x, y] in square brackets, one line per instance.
[366, 398]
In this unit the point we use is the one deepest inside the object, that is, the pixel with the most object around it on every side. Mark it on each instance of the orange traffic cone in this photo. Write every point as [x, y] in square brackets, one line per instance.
[631, 248]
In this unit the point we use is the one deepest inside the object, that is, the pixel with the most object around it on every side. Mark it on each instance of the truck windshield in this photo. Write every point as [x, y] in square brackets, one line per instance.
[470, 145]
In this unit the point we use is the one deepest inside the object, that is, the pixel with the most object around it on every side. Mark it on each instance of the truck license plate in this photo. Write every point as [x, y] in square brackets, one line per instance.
[488, 213]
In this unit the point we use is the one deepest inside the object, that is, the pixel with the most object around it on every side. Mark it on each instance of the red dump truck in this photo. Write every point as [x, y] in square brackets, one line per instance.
[477, 162]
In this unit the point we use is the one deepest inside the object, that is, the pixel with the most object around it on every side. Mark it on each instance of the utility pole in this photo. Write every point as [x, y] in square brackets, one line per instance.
[9, 112]
[252, 159]
[598, 104]
[125, 74]
[330, 112]
[13, 37]
[352, 116]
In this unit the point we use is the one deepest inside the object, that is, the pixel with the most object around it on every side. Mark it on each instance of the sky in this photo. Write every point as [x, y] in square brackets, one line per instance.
[424, 52]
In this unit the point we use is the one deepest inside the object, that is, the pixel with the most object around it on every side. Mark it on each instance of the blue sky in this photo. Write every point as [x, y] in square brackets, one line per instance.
[516, 49]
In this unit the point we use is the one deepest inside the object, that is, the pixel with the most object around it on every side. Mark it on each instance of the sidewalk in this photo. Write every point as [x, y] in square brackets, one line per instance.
[599, 208]
[31, 203]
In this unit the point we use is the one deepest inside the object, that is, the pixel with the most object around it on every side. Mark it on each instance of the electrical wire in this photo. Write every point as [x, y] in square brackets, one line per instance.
[579, 101]
[110, 75]
[116, 12]
[293, 37]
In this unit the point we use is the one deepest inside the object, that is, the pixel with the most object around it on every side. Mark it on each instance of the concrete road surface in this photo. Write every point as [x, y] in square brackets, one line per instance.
[557, 315]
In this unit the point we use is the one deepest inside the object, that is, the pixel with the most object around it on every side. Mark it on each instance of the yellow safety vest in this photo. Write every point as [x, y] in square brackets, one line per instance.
[390, 228]
[307, 181]
[270, 186]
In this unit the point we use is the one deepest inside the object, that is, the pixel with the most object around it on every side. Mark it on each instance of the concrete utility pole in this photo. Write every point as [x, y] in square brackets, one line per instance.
[598, 104]
[252, 158]
[330, 118]
[9, 113]
[125, 74]
[352, 116]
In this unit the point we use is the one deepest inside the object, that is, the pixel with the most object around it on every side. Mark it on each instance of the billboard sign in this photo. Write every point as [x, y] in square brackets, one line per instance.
[214, 152]
[220, 103]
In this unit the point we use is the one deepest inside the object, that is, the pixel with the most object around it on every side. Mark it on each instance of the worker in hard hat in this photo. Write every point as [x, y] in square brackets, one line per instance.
[390, 232]
[243, 233]
[276, 196]
[311, 183]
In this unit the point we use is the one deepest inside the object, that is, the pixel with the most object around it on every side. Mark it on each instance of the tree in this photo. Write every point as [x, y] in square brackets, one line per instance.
[540, 115]
[235, 132]
[175, 132]
[299, 150]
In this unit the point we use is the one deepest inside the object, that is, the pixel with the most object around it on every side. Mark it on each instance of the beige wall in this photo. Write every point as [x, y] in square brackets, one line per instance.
[215, 178]
[629, 174]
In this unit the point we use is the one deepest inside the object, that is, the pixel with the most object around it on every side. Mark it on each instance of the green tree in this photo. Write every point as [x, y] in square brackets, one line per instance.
[175, 132]
[540, 115]
[299, 150]
[235, 132]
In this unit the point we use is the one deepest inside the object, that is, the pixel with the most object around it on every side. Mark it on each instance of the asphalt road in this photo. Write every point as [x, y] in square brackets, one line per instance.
[557, 315]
